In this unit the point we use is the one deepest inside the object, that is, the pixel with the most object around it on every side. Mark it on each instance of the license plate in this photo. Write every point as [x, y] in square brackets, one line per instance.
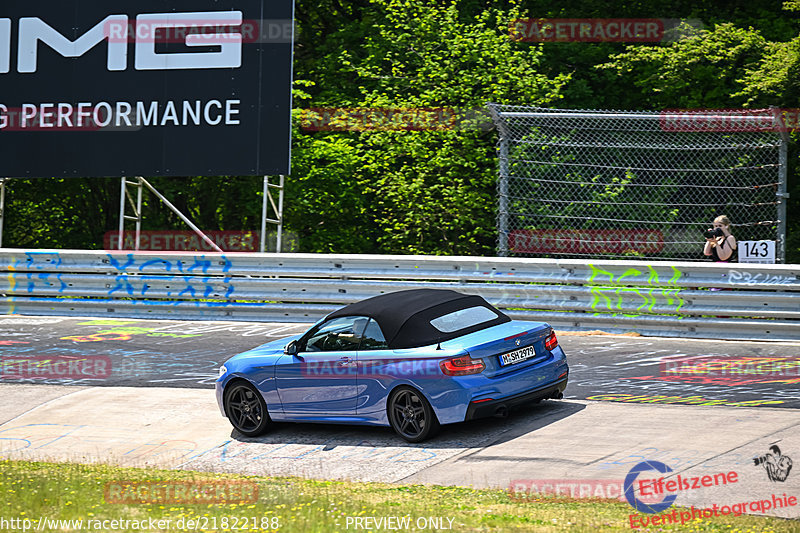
[517, 355]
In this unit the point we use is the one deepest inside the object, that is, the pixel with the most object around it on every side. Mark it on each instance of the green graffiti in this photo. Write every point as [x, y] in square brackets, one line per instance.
[653, 279]
[611, 297]
[596, 271]
[674, 279]
[629, 272]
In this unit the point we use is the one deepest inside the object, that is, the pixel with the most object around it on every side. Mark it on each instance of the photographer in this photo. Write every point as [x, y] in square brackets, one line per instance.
[720, 243]
[777, 465]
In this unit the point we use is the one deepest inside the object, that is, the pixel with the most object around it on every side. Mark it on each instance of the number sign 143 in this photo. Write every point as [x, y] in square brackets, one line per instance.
[757, 251]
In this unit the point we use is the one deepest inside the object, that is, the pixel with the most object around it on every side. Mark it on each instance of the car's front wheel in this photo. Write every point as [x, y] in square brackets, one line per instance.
[411, 416]
[246, 409]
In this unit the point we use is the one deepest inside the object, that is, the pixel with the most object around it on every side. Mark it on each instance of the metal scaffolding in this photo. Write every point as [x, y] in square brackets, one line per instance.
[272, 211]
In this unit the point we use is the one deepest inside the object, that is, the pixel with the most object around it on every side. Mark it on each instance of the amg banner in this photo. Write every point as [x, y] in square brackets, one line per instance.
[148, 88]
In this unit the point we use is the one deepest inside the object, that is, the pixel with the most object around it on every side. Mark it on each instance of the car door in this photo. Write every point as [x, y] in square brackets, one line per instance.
[320, 380]
[374, 371]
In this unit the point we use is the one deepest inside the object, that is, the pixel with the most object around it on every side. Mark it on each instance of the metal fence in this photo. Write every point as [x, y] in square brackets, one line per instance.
[650, 298]
[633, 185]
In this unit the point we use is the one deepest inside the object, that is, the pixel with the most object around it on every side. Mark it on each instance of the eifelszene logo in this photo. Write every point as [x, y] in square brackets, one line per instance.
[668, 487]
[628, 486]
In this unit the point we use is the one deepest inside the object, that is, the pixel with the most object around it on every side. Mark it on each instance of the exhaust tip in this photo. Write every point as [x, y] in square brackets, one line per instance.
[558, 395]
[501, 412]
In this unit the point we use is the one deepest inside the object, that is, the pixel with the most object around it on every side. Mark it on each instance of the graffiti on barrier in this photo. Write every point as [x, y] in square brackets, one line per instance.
[180, 264]
[740, 277]
[40, 274]
[610, 296]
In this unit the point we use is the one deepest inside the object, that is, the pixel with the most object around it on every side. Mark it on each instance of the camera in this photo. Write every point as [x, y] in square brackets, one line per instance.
[710, 233]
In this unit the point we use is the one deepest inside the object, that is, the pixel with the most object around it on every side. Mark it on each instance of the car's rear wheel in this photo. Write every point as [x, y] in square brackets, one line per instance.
[246, 409]
[411, 416]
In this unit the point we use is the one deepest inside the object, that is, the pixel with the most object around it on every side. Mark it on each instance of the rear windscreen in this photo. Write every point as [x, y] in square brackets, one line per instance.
[463, 318]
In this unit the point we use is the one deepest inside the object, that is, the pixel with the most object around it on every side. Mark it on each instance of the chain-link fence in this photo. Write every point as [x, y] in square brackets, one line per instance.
[630, 185]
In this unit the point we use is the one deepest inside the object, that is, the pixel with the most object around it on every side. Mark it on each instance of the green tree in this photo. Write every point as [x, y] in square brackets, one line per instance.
[423, 191]
[724, 67]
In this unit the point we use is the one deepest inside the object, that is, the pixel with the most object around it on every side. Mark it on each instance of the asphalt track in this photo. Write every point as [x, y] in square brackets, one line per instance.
[580, 441]
[145, 353]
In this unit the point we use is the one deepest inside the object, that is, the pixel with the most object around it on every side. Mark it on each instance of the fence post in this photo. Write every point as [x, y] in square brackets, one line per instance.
[783, 195]
[2, 207]
[502, 184]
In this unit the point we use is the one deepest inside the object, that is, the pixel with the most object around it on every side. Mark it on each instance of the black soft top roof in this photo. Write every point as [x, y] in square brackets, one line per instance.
[404, 316]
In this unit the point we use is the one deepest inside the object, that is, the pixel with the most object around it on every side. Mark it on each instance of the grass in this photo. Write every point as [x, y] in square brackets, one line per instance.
[70, 491]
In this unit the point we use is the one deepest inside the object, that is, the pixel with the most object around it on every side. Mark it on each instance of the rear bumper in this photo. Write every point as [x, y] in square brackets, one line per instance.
[490, 407]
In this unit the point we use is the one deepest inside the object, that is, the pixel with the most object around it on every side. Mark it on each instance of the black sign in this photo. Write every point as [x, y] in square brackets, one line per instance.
[145, 88]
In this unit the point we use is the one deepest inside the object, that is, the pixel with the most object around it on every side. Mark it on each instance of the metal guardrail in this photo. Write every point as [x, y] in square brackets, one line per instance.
[710, 300]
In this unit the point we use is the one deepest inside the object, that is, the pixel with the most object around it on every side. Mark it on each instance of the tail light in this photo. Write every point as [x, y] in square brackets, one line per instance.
[552, 342]
[463, 365]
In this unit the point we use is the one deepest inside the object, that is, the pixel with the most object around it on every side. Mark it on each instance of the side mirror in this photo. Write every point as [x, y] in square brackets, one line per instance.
[291, 348]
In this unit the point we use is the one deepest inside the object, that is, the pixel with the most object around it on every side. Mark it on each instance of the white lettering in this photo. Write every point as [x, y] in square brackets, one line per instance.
[33, 29]
[115, 30]
[64, 115]
[82, 112]
[145, 119]
[45, 116]
[96, 114]
[5, 45]
[191, 112]
[207, 112]
[28, 112]
[230, 44]
[123, 111]
[230, 111]
[170, 114]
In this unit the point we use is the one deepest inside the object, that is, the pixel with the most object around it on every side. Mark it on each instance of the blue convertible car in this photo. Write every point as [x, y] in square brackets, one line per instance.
[411, 360]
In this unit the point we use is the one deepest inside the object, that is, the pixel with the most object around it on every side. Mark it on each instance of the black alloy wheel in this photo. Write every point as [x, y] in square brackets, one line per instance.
[411, 416]
[246, 409]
